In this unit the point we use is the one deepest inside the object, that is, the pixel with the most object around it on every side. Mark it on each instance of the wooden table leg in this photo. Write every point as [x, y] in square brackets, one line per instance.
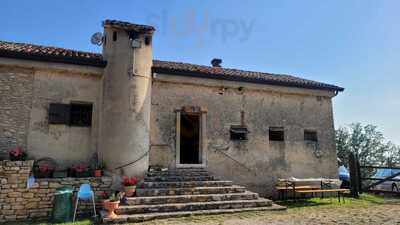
[294, 190]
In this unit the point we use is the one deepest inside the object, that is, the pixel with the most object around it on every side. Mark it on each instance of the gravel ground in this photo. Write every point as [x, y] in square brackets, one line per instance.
[386, 212]
[368, 209]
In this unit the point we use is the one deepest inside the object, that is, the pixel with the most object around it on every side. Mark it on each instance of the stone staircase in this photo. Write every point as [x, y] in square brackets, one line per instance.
[185, 192]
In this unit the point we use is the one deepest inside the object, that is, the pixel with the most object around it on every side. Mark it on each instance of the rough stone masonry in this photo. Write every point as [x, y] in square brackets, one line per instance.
[139, 106]
[15, 103]
[18, 203]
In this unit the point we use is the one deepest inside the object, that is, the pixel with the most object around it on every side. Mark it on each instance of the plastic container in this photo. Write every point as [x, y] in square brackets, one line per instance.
[62, 204]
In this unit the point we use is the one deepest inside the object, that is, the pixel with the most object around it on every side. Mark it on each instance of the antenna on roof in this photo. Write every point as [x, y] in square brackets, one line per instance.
[97, 38]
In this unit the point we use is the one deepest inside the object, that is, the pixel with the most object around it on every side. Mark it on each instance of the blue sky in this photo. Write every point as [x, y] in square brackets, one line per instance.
[354, 44]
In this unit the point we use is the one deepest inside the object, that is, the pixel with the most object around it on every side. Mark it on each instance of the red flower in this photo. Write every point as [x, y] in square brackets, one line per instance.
[17, 152]
[129, 181]
[104, 195]
[44, 168]
[80, 168]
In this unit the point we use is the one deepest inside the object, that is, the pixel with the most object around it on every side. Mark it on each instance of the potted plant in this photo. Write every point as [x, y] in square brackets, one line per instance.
[17, 154]
[98, 172]
[43, 171]
[81, 170]
[129, 184]
[112, 204]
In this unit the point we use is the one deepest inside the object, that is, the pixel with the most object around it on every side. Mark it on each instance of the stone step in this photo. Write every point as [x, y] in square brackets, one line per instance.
[178, 173]
[179, 170]
[191, 198]
[141, 192]
[178, 178]
[136, 218]
[175, 184]
[192, 206]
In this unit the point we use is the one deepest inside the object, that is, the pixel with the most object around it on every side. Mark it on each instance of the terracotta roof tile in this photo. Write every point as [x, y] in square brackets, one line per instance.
[47, 53]
[187, 69]
[128, 26]
[62, 55]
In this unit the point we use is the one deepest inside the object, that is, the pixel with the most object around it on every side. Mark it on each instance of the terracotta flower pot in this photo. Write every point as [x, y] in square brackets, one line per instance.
[110, 207]
[97, 173]
[129, 190]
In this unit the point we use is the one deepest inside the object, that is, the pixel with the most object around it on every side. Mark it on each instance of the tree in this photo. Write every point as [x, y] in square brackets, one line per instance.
[392, 154]
[367, 143]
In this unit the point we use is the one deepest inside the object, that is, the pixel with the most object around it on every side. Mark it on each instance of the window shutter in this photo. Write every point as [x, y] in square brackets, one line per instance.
[81, 115]
[59, 113]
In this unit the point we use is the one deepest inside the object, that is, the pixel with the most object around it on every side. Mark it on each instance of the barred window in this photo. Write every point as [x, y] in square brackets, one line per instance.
[310, 135]
[276, 134]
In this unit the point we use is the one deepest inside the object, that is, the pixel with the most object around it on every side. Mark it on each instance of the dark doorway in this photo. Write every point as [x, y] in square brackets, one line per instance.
[190, 139]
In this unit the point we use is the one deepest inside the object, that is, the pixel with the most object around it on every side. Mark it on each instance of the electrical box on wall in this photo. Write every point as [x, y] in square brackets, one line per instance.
[136, 43]
[238, 132]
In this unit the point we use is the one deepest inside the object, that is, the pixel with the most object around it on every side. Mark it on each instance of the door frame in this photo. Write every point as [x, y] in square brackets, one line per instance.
[203, 137]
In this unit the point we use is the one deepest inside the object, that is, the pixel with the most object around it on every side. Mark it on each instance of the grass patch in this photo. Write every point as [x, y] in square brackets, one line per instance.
[364, 199]
[77, 222]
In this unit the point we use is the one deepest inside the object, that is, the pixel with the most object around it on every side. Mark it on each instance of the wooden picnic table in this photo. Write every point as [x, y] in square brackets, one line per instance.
[303, 186]
[339, 192]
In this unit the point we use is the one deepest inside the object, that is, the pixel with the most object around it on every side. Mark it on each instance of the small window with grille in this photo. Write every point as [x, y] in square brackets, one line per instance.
[310, 136]
[276, 134]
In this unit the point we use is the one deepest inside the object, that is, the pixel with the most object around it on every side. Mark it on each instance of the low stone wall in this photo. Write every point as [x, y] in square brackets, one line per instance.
[19, 203]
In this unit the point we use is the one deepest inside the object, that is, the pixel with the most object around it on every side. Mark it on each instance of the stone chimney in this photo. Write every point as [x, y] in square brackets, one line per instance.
[216, 62]
[125, 112]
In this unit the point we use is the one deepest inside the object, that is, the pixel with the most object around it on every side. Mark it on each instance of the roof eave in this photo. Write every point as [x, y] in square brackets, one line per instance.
[123, 25]
[242, 79]
[61, 59]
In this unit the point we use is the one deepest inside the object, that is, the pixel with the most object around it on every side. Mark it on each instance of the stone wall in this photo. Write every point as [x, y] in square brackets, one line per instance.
[27, 88]
[19, 203]
[258, 162]
[66, 144]
[15, 105]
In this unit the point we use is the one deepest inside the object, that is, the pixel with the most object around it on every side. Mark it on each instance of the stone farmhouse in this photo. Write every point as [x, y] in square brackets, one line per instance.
[136, 112]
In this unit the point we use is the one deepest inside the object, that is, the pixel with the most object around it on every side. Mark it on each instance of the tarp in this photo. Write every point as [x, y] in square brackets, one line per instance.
[381, 173]
[343, 173]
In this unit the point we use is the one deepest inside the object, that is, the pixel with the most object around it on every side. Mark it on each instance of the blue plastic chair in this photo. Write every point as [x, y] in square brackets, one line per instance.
[85, 193]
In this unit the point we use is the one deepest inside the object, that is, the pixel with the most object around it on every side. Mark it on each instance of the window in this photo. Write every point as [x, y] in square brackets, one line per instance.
[238, 132]
[114, 36]
[310, 135]
[81, 115]
[71, 114]
[276, 134]
[147, 40]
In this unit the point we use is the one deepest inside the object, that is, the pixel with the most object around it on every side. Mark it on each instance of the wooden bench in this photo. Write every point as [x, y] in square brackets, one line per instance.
[283, 190]
[310, 185]
[298, 187]
[339, 192]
